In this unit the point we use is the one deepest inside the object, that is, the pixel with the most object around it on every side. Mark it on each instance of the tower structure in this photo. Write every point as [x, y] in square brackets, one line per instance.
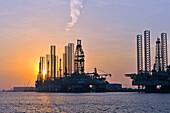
[53, 62]
[47, 76]
[139, 54]
[164, 51]
[79, 59]
[43, 68]
[64, 69]
[157, 65]
[147, 51]
[70, 58]
[65, 60]
[57, 65]
[40, 74]
[60, 67]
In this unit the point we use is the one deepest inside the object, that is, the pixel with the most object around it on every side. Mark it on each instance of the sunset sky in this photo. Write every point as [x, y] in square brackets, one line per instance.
[107, 28]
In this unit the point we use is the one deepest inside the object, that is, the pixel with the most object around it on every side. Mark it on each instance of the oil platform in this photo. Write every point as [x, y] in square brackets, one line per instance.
[156, 80]
[73, 77]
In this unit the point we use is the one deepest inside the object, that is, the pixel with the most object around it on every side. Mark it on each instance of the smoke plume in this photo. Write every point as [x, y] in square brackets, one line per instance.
[75, 7]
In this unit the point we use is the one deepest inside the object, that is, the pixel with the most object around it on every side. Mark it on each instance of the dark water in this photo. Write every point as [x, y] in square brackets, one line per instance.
[84, 102]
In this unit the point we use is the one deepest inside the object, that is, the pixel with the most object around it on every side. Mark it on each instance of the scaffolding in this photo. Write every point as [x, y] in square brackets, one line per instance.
[79, 59]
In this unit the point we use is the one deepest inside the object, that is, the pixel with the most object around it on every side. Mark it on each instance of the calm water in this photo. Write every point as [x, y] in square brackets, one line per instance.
[84, 102]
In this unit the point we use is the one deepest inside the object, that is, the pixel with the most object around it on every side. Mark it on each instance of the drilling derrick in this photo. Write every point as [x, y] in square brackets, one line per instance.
[139, 54]
[157, 65]
[164, 51]
[147, 51]
[79, 59]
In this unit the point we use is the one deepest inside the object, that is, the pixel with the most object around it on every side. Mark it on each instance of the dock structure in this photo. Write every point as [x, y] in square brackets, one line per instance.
[155, 80]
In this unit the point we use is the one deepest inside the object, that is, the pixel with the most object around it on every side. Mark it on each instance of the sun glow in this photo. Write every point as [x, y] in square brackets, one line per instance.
[44, 71]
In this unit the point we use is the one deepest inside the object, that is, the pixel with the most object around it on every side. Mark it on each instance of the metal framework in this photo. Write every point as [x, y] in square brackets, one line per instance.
[79, 59]
[164, 51]
[47, 76]
[158, 80]
[70, 58]
[147, 51]
[157, 65]
[139, 54]
[39, 76]
[53, 62]
[65, 61]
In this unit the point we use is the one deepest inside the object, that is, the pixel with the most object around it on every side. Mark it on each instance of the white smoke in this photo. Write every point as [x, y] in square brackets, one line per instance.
[75, 7]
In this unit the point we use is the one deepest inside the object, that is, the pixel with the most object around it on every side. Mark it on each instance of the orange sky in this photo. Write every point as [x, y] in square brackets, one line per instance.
[107, 29]
[21, 57]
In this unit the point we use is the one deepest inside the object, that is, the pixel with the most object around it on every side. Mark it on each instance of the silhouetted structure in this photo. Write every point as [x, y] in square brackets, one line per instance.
[148, 81]
[53, 62]
[41, 68]
[60, 68]
[147, 51]
[65, 60]
[47, 75]
[79, 81]
[157, 65]
[139, 54]
[79, 59]
[57, 61]
[70, 58]
[164, 53]
[40, 74]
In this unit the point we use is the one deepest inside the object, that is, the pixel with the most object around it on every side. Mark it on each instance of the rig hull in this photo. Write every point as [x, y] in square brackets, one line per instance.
[78, 83]
[156, 82]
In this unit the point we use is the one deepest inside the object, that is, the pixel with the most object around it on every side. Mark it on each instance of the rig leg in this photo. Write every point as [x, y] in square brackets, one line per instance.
[138, 88]
[142, 89]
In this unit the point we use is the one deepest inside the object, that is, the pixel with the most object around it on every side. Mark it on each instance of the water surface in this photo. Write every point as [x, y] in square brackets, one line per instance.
[118, 102]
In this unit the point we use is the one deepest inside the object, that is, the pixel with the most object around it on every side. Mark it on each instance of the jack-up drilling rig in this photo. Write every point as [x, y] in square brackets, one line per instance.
[157, 80]
[78, 81]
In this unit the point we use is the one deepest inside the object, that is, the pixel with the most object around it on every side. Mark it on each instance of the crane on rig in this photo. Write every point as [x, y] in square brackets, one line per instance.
[96, 75]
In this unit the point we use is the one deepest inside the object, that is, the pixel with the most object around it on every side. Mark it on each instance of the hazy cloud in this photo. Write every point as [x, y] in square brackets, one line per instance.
[75, 7]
